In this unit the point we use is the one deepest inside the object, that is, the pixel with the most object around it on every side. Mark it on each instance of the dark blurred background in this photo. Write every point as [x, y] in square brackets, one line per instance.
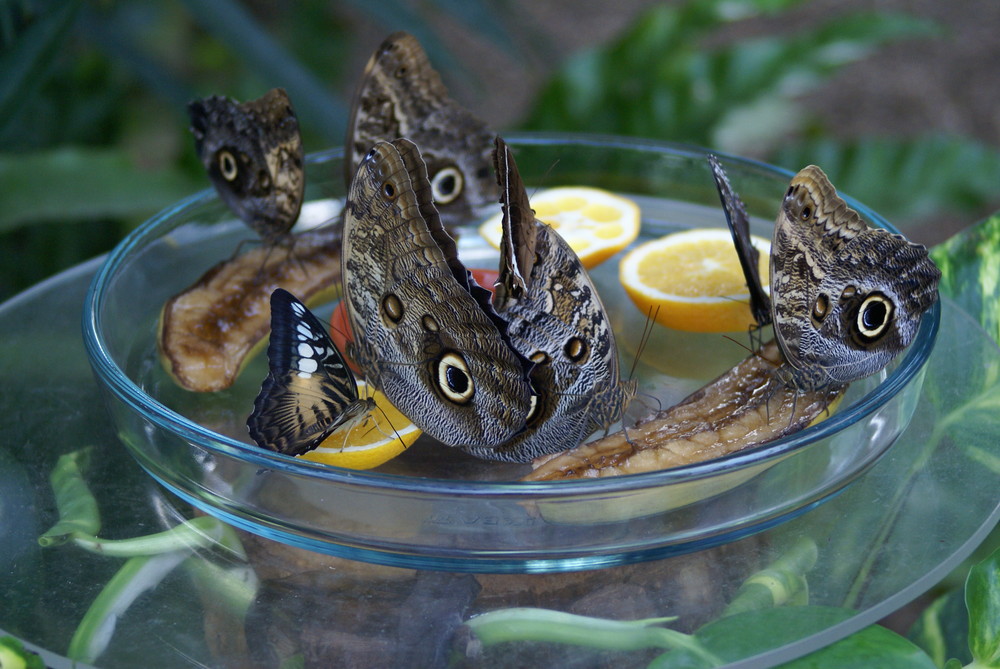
[896, 100]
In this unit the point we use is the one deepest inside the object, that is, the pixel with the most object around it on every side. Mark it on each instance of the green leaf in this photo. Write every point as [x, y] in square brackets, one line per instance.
[136, 576]
[748, 634]
[25, 65]
[942, 630]
[754, 632]
[200, 532]
[81, 183]
[982, 597]
[904, 178]
[13, 655]
[873, 646]
[534, 624]
[643, 83]
[970, 270]
[742, 9]
[78, 512]
[233, 587]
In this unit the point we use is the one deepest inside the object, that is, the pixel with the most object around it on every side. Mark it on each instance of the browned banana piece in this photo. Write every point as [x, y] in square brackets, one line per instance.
[747, 406]
[210, 330]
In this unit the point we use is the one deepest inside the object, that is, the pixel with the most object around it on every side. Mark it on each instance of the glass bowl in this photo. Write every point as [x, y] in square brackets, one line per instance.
[434, 507]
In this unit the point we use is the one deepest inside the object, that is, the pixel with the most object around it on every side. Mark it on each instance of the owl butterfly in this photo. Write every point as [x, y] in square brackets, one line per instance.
[253, 155]
[424, 331]
[845, 298]
[309, 391]
[555, 319]
[401, 95]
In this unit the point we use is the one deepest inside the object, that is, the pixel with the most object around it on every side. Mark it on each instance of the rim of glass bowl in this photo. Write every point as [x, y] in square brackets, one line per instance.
[126, 390]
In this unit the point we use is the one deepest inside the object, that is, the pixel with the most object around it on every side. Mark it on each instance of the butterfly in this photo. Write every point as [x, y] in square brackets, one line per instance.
[309, 392]
[252, 152]
[401, 95]
[425, 332]
[555, 319]
[845, 298]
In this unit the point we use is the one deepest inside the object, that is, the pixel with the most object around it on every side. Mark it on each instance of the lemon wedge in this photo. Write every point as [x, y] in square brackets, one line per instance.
[595, 223]
[692, 280]
[377, 438]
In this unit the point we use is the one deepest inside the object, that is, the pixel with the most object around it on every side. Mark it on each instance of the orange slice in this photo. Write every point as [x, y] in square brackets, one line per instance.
[692, 280]
[379, 437]
[595, 223]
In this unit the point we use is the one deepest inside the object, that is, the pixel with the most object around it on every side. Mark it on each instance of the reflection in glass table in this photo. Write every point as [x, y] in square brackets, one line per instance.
[886, 539]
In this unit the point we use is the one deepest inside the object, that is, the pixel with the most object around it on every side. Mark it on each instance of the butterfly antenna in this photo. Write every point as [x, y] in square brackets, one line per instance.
[348, 336]
[389, 422]
[342, 333]
[743, 346]
[371, 401]
[544, 178]
[647, 333]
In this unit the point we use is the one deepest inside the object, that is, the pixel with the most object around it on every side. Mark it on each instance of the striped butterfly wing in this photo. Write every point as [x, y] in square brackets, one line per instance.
[309, 391]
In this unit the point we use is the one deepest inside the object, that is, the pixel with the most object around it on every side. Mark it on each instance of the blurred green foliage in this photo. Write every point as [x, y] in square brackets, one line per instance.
[93, 132]
[660, 80]
[667, 77]
[93, 95]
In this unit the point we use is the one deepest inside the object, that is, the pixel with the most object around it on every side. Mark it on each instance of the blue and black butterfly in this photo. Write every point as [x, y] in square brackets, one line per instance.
[309, 391]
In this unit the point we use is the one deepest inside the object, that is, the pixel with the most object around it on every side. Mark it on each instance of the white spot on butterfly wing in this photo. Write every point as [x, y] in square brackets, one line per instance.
[304, 330]
[307, 366]
[305, 351]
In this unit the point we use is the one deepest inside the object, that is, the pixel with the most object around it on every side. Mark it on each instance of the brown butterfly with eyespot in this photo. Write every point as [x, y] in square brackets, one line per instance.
[253, 154]
[401, 95]
[555, 319]
[425, 333]
[845, 298]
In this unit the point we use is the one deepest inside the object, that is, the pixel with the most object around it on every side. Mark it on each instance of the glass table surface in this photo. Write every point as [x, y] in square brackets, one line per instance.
[887, 538]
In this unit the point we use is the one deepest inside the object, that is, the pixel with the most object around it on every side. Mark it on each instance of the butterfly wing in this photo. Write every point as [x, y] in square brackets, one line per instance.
[739, 225]
[424, 338]
[253, 155]
[309, 391]
[401, 95]
[847, 297]
[559, 323]
[520, 229]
